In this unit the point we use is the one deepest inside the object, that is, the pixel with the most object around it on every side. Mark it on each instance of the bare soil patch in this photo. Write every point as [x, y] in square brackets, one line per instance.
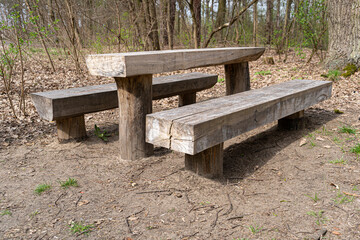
[277, 184]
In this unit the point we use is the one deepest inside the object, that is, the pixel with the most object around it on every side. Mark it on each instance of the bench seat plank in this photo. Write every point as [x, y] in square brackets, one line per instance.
[151, 62]
[53, 105]
[195, 128]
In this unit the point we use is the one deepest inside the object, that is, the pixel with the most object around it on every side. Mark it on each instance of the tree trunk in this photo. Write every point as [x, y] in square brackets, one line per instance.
[220, 16]
[344, 33]
[195, 8]
[171, 22]
[255, 17]
[286, 24]
[278, 15]
[269, 25]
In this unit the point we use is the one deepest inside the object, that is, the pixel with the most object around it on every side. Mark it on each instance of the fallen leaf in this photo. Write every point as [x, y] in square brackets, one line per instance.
[336, 233]
[327, 146]
[132, 218]
[334, 185]
[320, 139]
[303, 142]
[84, 202]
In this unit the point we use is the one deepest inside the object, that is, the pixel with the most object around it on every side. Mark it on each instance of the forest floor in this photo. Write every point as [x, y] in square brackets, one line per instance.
[276, 184]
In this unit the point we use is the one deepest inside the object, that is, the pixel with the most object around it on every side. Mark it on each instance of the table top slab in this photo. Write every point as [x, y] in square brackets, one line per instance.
[151, 62]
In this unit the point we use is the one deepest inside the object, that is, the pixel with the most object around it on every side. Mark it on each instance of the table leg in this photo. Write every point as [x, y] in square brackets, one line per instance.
[237, 78]
[135, 101]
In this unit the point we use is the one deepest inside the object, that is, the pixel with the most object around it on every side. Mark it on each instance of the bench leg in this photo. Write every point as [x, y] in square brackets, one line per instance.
[71, 128]
[237, 78]
[135, 101]
[295, 121]
[208, 163]
[186, 99]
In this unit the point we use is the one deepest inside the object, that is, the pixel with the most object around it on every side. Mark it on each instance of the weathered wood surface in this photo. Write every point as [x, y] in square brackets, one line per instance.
[194, 128]
[135, 101]
[59, 104]
[208, 163]
[71, 128]
[237, 77]
[139, 63]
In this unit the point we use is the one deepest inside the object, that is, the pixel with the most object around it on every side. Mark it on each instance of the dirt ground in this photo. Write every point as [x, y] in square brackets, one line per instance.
[277, 184]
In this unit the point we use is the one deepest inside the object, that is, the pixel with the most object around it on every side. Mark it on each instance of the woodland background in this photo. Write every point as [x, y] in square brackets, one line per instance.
[72, 29]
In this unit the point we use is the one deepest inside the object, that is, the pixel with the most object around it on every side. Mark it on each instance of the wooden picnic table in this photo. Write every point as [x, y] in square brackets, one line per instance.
[133, 76]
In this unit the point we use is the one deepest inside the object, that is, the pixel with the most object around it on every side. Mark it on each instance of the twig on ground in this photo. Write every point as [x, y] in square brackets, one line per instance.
[154, 191]
[216, 218]
[351, 194]
[61, 195]
[231, 206]
[318, 235]
[78, 200]
[236, 217]
[189, 236]
[127, 220]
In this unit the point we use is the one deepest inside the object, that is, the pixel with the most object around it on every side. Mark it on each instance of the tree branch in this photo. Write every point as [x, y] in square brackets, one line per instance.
[228, 24]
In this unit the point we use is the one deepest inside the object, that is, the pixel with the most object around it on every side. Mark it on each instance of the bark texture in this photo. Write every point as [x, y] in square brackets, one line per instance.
[344, 33]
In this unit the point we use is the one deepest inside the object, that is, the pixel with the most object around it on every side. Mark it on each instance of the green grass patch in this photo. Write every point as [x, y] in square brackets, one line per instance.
[338, 161]
[78, 227]
[342, 198]
[42, 188]
[6, 212]
[254, 229]
[71, 182]
[347, 129]
[356, 149]
[263, 73]
[332, 75]
[315, 198]
[318, 215]
[221, 80]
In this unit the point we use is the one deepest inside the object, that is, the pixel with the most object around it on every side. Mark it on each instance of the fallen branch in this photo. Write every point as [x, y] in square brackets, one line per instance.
[228, 24]
[216, 218]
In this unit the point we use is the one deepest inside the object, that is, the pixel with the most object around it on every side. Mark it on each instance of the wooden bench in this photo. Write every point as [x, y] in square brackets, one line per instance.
[199, 130]
[67, 107]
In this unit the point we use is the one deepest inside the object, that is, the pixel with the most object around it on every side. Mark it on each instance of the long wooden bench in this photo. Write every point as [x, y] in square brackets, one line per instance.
[199, 130]
[67, 107]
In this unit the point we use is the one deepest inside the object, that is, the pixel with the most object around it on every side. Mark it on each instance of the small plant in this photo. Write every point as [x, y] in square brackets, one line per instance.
[71, 182]
[341, 198]
[318, 215]
[315, 198]
[102, 135]
[42, 188]
[263, 73]
[78, 227]
[312, 144]
[355, 188]
[347, 129]
[34, 214]
[356, 149]
[221, 80]
[337, 111]
[255, 229]
[338, 161]
[336, 140]
[6, 212]
[333, 75]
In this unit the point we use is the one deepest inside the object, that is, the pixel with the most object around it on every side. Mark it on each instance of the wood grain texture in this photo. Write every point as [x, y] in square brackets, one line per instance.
[59, 104]
[194, 128]
[208, 163]
[151, 62]
[135, 98]
[237, 78]
[71, 128]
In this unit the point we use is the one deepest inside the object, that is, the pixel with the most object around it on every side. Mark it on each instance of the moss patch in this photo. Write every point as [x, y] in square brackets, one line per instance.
[349, 70]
